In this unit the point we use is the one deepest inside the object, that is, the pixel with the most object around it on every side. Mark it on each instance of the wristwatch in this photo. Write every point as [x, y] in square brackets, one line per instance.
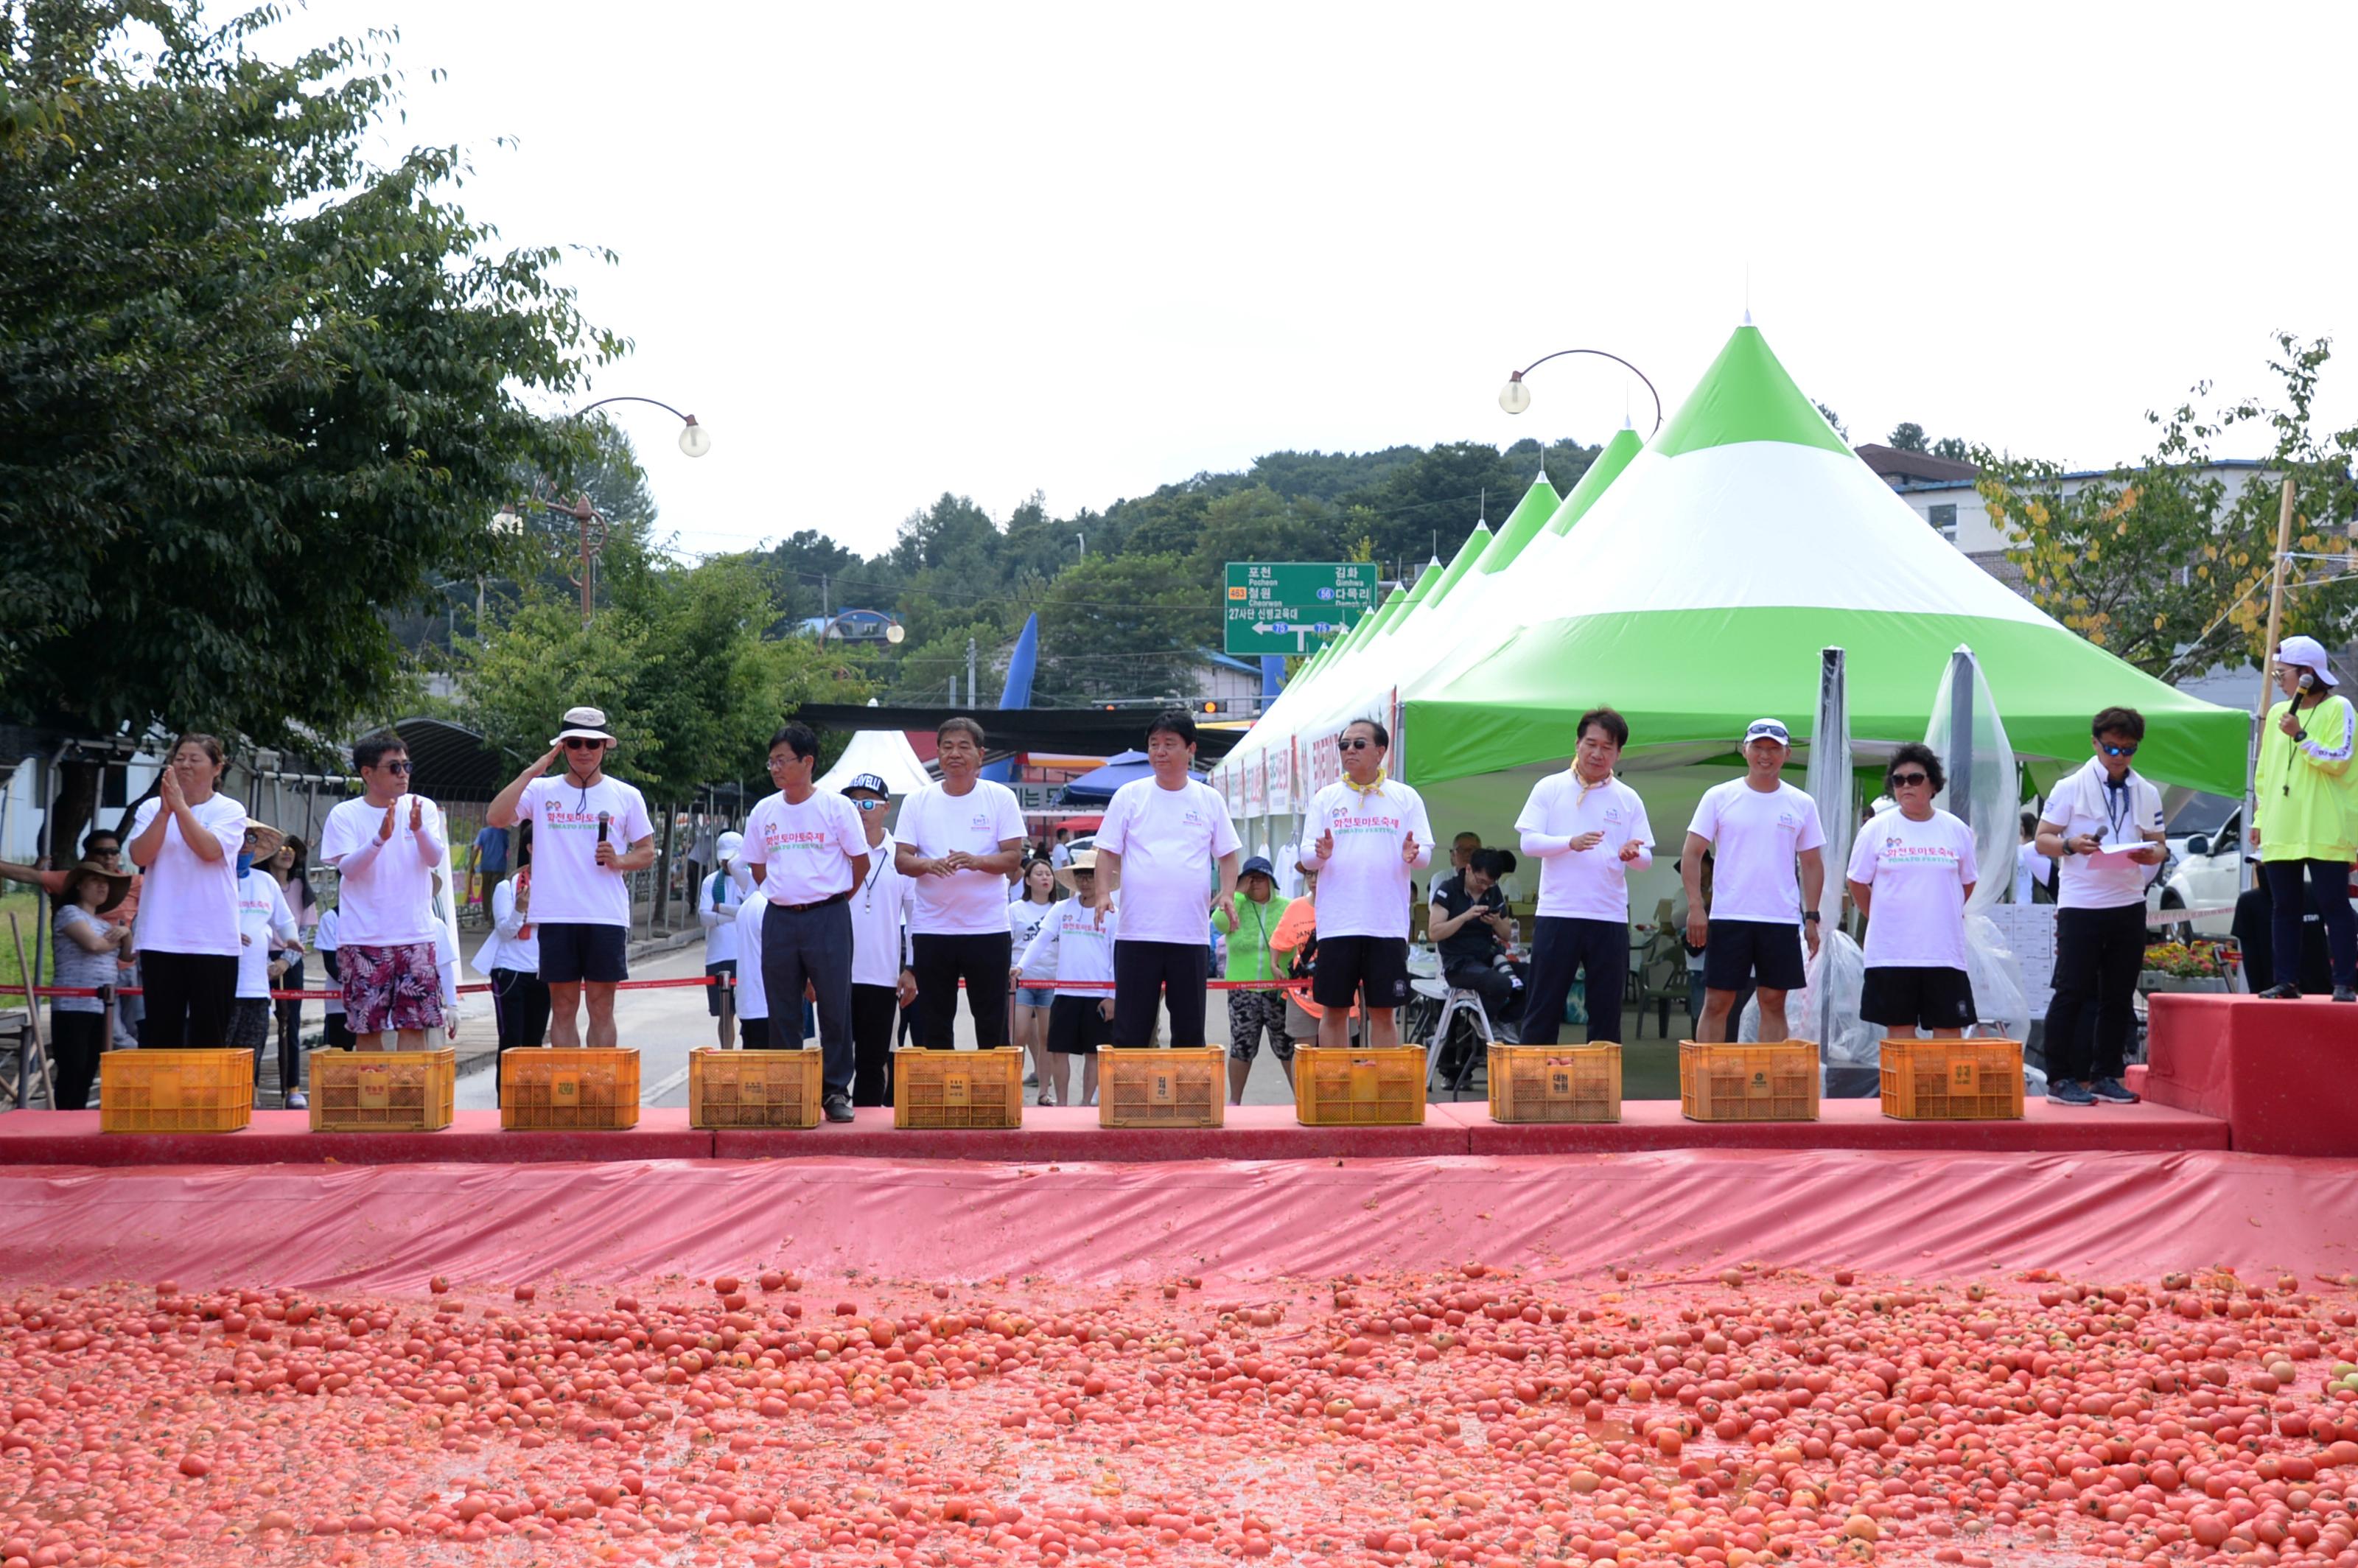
[2299, 735]
[1811, 918]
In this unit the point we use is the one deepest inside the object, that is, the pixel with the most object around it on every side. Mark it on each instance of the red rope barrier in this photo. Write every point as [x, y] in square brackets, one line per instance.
[476, 987]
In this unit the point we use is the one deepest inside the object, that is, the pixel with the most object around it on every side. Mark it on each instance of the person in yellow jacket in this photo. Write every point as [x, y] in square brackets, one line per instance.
[2305, 814]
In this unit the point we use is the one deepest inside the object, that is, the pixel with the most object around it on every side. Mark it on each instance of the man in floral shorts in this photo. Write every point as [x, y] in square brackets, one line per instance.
[387, 847]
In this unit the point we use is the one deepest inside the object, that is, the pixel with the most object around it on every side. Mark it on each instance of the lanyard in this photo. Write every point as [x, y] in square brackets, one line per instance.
[2115, 820]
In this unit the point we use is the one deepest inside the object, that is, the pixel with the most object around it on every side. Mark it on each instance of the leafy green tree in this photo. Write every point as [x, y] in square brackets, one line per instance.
[2166, 563]
[1124, 626]
[1833, 419]
[1907, 437]
[1954, 449]
[256, 389]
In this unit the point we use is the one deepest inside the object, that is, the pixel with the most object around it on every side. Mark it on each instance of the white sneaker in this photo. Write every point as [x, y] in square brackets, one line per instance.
[296, 1101]
[1048, 1096]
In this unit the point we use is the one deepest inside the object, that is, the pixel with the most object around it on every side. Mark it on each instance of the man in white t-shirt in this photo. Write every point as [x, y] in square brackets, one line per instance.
[589, 833]
[1757, 830]
[1156, 849]
[2103, 825]
[1367, 836]
[881, 979]
[1587, 830]
[808, 852]
[387, 847]
[717, 897]
[960, 839]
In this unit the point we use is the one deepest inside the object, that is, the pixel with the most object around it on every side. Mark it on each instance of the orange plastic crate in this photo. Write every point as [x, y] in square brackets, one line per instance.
[1379, 1086]
[755, 1088]
[382, 1091]
[1162, 1088]
[175, 1091]
[1749, 1083]
[971, 1090]
[588, 1089]
[1952, 1080]
[1555, 1083]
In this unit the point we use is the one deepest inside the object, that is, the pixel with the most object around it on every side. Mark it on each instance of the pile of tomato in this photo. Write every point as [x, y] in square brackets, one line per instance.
[1746, 1416]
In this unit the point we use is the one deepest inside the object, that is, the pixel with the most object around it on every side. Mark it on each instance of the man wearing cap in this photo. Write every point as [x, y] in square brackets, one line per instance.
[1369, 835]
[2104, 823]
[1589, 831]
[1256, 1006]
[717, 904]
[387, 847]
[1757, 829]
[589, 833]
[2305, 815]
[959, 841]
[807, 850]
[883, 981]
[1162, 838]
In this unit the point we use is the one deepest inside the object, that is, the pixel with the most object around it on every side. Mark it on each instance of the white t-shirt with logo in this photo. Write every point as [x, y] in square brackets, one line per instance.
[2083, 804]
[261, 912]
[881, 910]
[1168, 840]
[1585, 884]
[568, 886]
[1754, 835]
[1025, 919]
[935, 822]
[805, 848]
[1071, 946]
[388, 902]
[187, 903]
[1363, 888]
[1920, 873]
[752, 1001]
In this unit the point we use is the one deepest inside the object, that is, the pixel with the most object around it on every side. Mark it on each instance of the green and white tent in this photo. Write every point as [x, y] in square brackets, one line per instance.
[1696, 593]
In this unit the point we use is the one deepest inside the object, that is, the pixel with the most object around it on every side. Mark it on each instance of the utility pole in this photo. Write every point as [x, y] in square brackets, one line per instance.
[969, 672]
[824, 609]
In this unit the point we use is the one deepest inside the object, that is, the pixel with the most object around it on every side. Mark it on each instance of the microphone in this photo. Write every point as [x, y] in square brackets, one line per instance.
[603, 817]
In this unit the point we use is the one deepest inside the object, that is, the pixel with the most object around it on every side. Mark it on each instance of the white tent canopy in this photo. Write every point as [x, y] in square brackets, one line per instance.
[884, 753]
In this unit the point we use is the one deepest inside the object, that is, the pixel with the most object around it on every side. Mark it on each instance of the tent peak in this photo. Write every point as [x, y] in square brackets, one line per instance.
[1746, 396]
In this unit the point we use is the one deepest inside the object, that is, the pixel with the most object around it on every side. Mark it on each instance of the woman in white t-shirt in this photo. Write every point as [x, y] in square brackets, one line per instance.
[1034, 992]
[1910, 873]
[186, 839]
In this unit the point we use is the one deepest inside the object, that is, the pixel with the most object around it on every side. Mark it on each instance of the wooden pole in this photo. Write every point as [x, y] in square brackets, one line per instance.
[39, 1056]
[2267, 655]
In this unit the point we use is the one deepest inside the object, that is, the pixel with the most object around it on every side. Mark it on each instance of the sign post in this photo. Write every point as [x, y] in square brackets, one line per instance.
[1291, 607]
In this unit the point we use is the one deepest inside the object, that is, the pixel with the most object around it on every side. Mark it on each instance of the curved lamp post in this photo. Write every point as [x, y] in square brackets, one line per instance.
[1514, 397]
[694, 440]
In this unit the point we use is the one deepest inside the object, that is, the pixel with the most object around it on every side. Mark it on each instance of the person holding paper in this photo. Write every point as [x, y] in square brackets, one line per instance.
[2104, 823]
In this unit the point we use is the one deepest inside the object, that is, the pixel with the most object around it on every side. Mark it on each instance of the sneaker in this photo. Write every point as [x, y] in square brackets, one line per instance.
[294, 1101]
[2112, 1091]
[2063, 1091]
[839, 1107]
[2345, 993]
[2281, 993]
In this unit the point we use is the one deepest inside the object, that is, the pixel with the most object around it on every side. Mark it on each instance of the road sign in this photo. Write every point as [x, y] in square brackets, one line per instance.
[1291, 607]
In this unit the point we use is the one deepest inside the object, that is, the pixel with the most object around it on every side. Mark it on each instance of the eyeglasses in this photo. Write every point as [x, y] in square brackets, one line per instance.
[401, 767]
[581, 743]
[1361, 744]
[1901, 781]
[777, 763]
[2120, 750]
[870, 805]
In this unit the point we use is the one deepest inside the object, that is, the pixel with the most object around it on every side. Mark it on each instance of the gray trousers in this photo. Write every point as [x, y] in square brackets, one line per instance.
[813, 947]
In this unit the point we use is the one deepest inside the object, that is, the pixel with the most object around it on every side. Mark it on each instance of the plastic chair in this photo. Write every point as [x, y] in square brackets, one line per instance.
[1661, 979]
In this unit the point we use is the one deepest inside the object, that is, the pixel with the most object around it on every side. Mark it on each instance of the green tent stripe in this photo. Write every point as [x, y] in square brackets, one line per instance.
[1601, 473]
[1476, 545]
[1746, 395]
[1694, 675]
[1522, 525]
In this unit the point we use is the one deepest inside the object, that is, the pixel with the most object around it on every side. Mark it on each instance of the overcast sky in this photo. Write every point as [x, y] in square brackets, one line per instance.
[886, 251]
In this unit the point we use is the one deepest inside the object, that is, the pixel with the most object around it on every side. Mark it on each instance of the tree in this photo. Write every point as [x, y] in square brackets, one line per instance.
[1833, 419]
[2164, 563]
[1956, 450]
[1907, 437]
[1124, 626]
[257, 389]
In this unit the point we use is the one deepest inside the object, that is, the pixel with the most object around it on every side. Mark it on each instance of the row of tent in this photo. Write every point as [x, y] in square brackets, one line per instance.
[1691, 582]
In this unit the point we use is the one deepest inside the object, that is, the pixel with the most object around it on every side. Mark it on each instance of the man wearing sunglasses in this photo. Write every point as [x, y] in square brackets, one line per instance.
[1367, 835]
[589, 832]
[387, 847]
[2104, 823]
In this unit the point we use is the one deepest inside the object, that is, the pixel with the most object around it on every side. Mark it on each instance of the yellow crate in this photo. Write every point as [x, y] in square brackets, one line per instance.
[175, 1091]
[1555, 1083]
[1952, 1080]
[1749, 1083]
[755, 1088]
[936, 1089]
[593, 1088]
[1379, 1086]
[1162, 1088]
[382, 1091]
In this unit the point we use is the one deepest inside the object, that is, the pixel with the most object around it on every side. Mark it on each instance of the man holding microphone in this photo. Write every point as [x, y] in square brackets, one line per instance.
[589, 833]
[1367, 834]
[387, 847]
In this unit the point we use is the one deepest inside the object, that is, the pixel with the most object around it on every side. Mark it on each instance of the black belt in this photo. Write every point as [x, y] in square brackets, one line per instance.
[832, 898]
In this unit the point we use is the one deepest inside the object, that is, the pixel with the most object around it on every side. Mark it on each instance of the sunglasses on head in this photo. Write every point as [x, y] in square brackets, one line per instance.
[581, 743]
[1359, 744]
[1901, 781]
[2120, 750]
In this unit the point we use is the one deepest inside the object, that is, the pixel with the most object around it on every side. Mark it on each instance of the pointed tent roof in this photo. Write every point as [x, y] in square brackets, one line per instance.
[1530, 515]
[1697, 593]
[1607, 467]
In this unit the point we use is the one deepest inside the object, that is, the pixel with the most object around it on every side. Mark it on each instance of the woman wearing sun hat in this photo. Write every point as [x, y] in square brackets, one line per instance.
[86, 943]
[2305, 814]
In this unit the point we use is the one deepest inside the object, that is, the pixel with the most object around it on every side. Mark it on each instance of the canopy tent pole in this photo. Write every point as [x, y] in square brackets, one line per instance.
[1829, 785]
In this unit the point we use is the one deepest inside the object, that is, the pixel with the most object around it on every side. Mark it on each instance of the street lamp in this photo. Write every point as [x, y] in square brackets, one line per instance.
[1514, 397]
[694, 439]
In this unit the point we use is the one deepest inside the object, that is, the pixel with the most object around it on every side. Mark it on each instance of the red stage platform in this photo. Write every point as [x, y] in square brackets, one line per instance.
[1253, 1132]
[2280, 1073]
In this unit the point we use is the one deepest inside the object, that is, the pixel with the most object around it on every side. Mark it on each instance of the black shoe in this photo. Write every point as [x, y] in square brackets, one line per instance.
[2112, 1090]
[2282, 993]
[2345, 993]
[2067, 1091]
[839, 1107]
